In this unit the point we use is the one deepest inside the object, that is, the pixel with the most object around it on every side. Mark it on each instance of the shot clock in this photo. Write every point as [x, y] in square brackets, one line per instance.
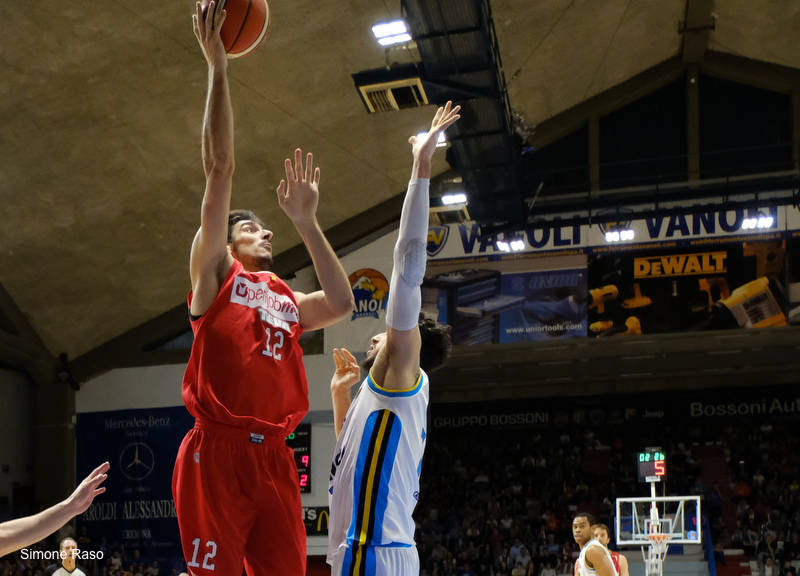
[300, 442]
[651, 464]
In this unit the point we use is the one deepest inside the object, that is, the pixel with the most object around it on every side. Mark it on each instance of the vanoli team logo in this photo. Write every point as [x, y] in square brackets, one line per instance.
[370, 290]
[437, 237]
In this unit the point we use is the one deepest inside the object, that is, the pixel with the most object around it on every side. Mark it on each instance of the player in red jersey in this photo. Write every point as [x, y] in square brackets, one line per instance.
[601, 534]
[235, 483]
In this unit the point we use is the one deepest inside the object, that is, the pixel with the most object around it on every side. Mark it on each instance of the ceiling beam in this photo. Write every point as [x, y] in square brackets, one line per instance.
[612, 99]
[697, 22]
[20, 345]
[758, 73]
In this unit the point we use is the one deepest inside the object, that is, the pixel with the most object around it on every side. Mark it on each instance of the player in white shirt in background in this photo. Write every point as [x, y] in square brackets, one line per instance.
[594, 558]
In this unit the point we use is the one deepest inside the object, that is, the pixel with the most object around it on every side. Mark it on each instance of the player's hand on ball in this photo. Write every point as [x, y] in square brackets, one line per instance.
[298, 194]
[207, 22]
[348, 372]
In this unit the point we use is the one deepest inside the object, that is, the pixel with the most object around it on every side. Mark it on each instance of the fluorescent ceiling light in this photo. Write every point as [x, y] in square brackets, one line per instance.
[392, 28]
[390, 33]
[503, 246]
[517, 245]
[764, 222]
[761, 222]
[449, 199]
[392, 40]
[620, 235]
[441, 140]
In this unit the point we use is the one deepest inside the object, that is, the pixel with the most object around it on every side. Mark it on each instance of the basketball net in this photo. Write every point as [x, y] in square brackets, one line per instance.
[654, 563]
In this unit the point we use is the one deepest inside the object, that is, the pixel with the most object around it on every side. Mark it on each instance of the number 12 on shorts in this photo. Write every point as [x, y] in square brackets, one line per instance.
[211, 546]
[275, 346]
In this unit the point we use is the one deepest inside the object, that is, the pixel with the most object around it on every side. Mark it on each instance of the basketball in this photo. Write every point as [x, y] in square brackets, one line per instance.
[245, 27]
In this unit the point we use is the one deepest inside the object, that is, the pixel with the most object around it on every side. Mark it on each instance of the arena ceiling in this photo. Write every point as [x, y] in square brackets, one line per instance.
[100, 173]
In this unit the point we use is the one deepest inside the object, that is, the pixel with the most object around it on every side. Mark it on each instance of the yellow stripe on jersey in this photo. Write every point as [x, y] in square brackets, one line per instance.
[373, 466]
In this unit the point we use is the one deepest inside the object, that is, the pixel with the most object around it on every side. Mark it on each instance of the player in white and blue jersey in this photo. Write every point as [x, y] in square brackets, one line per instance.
[594, 558]
[374, 483]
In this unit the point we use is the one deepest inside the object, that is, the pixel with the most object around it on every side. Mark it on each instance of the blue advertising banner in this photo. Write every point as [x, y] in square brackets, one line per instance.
[136, 516]
[552, 306]
[485, 305]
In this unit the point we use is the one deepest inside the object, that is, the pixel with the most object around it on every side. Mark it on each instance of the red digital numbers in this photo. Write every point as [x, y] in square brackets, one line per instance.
[660, 467]
[300, 443]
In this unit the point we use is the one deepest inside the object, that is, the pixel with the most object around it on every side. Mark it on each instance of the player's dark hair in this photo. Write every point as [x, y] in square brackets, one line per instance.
[586, 515]
[434, 349]
[436, 343]
[237, 216]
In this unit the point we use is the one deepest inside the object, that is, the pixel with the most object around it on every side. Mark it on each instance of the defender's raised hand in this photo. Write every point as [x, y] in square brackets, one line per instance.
[207, 22]
[422, 147]
[298, 194]
[348, 372]
[80, 500]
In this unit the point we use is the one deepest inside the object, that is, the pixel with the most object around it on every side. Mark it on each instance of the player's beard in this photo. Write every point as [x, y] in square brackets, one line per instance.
[264, 263]
[366, 364]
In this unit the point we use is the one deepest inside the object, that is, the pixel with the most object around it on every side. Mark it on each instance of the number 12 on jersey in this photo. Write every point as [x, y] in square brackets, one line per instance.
[273, 345]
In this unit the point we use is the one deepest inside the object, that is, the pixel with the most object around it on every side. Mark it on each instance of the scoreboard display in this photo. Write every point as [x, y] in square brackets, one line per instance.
[651, 465]
[300, 442]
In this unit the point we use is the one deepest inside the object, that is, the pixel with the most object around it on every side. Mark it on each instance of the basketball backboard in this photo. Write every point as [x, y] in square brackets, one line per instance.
[679, 517]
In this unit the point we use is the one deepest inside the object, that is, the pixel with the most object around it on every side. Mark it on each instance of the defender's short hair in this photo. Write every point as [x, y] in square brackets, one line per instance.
[435, 347]
[436, 343]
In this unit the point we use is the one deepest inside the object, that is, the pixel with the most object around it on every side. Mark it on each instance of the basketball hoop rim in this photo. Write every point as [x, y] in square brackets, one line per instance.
[658, 537]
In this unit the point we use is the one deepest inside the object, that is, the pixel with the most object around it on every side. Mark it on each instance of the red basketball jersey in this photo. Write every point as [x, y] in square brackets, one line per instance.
[246, 367]
[615, 559]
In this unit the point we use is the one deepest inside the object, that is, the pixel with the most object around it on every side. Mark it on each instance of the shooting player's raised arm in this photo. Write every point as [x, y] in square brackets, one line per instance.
[397, 366]
[210, 260]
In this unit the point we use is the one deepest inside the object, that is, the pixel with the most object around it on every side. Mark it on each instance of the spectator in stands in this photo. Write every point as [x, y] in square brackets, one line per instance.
[525, 558]
[769, 567]
[515, 551]
[548, 570]
[791, 550]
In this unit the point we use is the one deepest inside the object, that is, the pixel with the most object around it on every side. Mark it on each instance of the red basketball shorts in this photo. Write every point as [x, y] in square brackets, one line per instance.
[238, 502]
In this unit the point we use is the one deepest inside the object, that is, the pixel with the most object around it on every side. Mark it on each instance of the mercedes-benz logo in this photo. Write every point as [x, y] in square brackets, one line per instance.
[136, 461]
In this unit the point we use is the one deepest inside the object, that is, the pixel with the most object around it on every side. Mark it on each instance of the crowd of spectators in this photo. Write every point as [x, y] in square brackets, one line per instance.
[501, 501]
[763, 498]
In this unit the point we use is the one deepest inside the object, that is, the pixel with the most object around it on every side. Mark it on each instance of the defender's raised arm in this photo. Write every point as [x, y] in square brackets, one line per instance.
[398, 362]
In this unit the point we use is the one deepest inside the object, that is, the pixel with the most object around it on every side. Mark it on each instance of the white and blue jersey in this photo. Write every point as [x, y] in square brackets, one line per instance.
[581, 569]
[374, 482]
